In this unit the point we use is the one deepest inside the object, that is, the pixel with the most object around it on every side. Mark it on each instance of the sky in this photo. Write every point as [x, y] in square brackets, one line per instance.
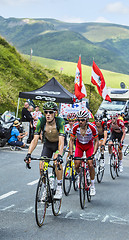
[75, 11]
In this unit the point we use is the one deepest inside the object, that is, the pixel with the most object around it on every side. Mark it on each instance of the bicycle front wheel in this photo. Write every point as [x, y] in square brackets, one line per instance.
[56, 205]
[41, 202]
[82, 188]
[113, 166]
[126, 151]
[67, 178]
[100, 171]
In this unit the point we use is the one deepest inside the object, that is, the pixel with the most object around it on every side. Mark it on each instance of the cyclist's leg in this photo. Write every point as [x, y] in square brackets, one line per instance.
[110, 142]
[89, 148]
[120, 153]
[78, 153]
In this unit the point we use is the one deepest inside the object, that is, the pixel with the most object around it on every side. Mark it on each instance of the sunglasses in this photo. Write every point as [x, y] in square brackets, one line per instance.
[71, 120]
[81, 120]
[50, 112]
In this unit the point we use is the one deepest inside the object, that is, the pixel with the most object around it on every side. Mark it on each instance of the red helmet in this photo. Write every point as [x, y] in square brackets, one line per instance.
[71, 116]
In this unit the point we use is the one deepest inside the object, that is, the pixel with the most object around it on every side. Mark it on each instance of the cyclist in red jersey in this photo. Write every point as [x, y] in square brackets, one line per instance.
[117, 128]
[87, 140]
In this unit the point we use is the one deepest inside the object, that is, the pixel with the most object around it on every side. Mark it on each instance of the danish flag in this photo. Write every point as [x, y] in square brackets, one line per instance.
[98, 80]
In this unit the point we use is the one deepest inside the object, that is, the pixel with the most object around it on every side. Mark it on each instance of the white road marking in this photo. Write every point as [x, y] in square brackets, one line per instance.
[28, 209]
[7, 194]
[68, 214]
[32, 183]
[8, 207]
[105, 218]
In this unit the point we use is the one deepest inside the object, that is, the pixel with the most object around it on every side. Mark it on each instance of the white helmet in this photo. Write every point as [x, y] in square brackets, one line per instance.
[83, 114]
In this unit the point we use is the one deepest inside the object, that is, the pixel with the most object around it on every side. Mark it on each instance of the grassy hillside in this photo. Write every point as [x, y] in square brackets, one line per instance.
[18, 74]
[112, 79]
[65, 41]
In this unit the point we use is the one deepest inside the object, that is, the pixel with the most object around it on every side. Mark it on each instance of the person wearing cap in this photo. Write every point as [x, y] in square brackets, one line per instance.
[117, 128]
[16, 136]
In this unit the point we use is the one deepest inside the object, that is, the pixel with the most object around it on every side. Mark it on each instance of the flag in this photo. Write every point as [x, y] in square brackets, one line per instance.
[98, 80]
[80, 91]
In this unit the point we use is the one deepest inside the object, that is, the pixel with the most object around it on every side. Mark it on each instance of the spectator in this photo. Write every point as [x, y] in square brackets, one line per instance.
[36, 115]
[26, 120]
[16, 136]
[31, 128]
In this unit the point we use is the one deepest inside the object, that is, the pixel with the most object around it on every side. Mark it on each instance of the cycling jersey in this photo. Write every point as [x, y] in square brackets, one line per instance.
[91, 133]
[60, 126]
[116, 127]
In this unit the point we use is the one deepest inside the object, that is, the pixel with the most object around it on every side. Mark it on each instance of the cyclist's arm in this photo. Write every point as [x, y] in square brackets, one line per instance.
[123, 136]
[105, 138]
[61, 145]
[96, 144]
[71, 143]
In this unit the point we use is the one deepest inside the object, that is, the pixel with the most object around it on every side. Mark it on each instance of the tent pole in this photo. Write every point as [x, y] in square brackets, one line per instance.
[17, 107]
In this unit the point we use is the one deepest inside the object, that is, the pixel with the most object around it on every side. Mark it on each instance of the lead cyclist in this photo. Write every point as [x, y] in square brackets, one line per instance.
[53, 129]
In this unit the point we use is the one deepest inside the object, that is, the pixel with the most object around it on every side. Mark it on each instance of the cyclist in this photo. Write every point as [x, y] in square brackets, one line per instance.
[102, 133]
[117, 128]
[87, 140]
[71, 118]
[53, 132]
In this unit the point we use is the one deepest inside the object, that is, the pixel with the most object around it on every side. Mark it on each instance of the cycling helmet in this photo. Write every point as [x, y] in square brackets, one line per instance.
[114, 115]
[83, 114]
[50, 106]
[98, 117]
[71, 116]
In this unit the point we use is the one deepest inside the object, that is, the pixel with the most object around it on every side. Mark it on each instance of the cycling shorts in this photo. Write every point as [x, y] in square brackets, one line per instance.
[87, 148]
[101, 137]
[49, 148]
[115, 135]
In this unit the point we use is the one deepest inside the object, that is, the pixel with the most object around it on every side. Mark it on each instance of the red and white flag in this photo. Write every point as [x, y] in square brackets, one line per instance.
[98, 80]
[80, 90]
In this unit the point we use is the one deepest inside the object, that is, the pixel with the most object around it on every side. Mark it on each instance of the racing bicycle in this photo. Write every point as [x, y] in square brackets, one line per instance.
[114, 160]
[45, 192]
[99, 166]
[84, 181]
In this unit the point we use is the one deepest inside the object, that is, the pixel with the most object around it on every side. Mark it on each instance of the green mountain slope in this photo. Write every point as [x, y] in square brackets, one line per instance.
[18, 74]
[50, 38]
[69, 45]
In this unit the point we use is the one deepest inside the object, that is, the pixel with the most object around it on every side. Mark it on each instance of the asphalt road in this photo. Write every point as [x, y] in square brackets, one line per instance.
[105, 217]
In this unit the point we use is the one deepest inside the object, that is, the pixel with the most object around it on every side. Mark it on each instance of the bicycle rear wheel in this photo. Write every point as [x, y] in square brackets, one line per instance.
[82, 188]
[126, 151]
[113, 166]
[67, 178]
[100, 171]
[41, 201]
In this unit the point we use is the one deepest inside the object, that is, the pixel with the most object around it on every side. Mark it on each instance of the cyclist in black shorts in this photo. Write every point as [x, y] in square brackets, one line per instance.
[53, 129]
[117, 128]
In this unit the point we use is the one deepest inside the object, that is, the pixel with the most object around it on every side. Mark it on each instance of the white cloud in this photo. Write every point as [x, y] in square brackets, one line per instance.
[102, 20]
[117, 7]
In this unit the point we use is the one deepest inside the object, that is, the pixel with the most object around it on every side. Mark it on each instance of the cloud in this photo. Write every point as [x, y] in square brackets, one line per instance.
[117, 7]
